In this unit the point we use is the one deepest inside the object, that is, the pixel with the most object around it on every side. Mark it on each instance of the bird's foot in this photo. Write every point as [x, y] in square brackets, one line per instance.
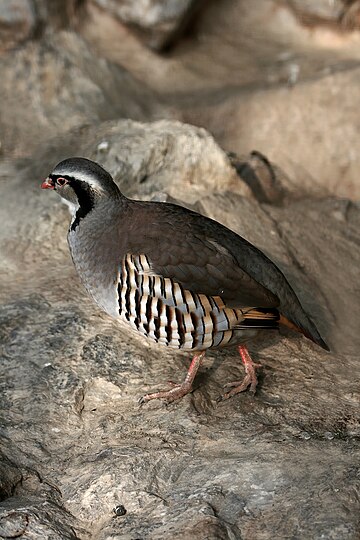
[178, 390]
[250, 378]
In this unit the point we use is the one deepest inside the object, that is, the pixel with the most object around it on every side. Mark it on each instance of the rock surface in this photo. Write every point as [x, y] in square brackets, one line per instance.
[75, 445]
[342, 12]
[289, 94]
[59, 85]
[17, 22]
[321, 10]
[158, 22]
[71, 376]
[290, 112]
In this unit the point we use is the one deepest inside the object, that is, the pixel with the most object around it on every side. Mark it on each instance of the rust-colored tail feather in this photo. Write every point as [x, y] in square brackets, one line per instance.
[316, 339]
[260, 318]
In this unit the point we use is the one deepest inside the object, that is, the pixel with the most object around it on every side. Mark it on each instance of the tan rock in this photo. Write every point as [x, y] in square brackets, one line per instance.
[157, 22]
[71, 376]
[17, 22]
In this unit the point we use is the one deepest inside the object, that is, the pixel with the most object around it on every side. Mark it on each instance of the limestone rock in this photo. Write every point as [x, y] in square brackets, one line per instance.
[260, 81]
[342, 12]
[59, 85]
[71, 376]
[293, 124]
[146, 158]
[75, 446]
[318, 9]
[58, 14]
[17, 22]
[158, 21]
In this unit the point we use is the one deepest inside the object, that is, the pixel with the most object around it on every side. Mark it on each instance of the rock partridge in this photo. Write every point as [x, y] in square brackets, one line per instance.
[180, 279]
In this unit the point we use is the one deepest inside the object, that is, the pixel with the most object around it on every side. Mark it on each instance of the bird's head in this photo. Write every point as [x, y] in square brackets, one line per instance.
[82, 183]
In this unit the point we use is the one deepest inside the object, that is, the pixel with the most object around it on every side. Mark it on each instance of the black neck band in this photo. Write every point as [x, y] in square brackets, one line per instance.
[86, 199]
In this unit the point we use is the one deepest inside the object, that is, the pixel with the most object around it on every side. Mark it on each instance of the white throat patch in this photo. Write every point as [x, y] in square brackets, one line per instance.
[73, 208]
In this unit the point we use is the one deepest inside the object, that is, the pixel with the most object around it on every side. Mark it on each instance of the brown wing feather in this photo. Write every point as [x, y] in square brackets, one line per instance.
[207, 258]
[198, 263]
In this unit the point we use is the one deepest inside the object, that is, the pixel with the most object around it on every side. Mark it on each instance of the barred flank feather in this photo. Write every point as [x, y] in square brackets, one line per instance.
[161, 309]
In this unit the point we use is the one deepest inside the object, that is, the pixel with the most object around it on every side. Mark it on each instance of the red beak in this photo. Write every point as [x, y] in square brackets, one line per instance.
[47, 184]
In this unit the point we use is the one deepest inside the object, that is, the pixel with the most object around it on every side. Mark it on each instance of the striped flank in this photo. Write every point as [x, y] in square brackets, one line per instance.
[162, 310]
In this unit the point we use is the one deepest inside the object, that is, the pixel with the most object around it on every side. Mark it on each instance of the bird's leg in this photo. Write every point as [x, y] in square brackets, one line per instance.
[250, 378]
[178, 390]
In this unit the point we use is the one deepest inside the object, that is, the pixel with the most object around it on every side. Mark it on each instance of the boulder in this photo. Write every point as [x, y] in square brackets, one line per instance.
[345, 13]
[301, 128]
[53, 86]
[17, 22]
[76, 444]
[80, 459]
[156, 22]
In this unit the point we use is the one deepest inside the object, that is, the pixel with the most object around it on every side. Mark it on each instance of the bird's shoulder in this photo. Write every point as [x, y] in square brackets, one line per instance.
[195, 251]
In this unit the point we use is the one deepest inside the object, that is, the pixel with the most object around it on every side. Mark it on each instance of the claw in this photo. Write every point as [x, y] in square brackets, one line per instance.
[178, 390]
[250, 378]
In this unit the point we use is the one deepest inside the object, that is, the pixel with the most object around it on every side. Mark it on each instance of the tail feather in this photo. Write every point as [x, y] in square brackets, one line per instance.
[271, 318]
[260, 318]
[313, 334]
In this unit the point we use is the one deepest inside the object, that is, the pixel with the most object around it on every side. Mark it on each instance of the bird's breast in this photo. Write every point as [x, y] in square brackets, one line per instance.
[97, 266]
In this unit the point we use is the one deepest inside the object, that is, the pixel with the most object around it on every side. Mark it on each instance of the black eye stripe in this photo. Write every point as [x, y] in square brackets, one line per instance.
[84, 192]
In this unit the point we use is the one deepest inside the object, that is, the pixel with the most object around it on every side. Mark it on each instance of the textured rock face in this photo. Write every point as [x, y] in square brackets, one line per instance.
[290, 111]
[289, 94]
[159, 20]
[17, 21]
[59, 85]
[24, 19]
[74, 442]
[165, 156]
[322, 9]
[71, 376]
[344, 12]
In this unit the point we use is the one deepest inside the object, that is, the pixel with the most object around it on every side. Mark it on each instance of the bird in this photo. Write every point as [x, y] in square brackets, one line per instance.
[179, 278]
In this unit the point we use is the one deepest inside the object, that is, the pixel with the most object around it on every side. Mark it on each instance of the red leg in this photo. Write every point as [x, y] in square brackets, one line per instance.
[179, 390]
[250, 378]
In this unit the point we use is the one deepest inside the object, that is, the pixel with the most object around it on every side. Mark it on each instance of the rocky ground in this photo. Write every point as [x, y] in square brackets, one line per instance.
[101, 79]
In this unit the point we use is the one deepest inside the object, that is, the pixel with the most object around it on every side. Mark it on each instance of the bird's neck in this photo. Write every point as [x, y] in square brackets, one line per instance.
[88, 199]
[96, 248]
[85, 203]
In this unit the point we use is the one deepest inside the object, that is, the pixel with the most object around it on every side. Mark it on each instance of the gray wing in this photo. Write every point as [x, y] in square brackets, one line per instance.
[190, 249]
[207, 258]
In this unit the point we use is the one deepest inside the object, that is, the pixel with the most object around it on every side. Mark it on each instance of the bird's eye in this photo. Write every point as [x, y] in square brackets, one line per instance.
[61, 181]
